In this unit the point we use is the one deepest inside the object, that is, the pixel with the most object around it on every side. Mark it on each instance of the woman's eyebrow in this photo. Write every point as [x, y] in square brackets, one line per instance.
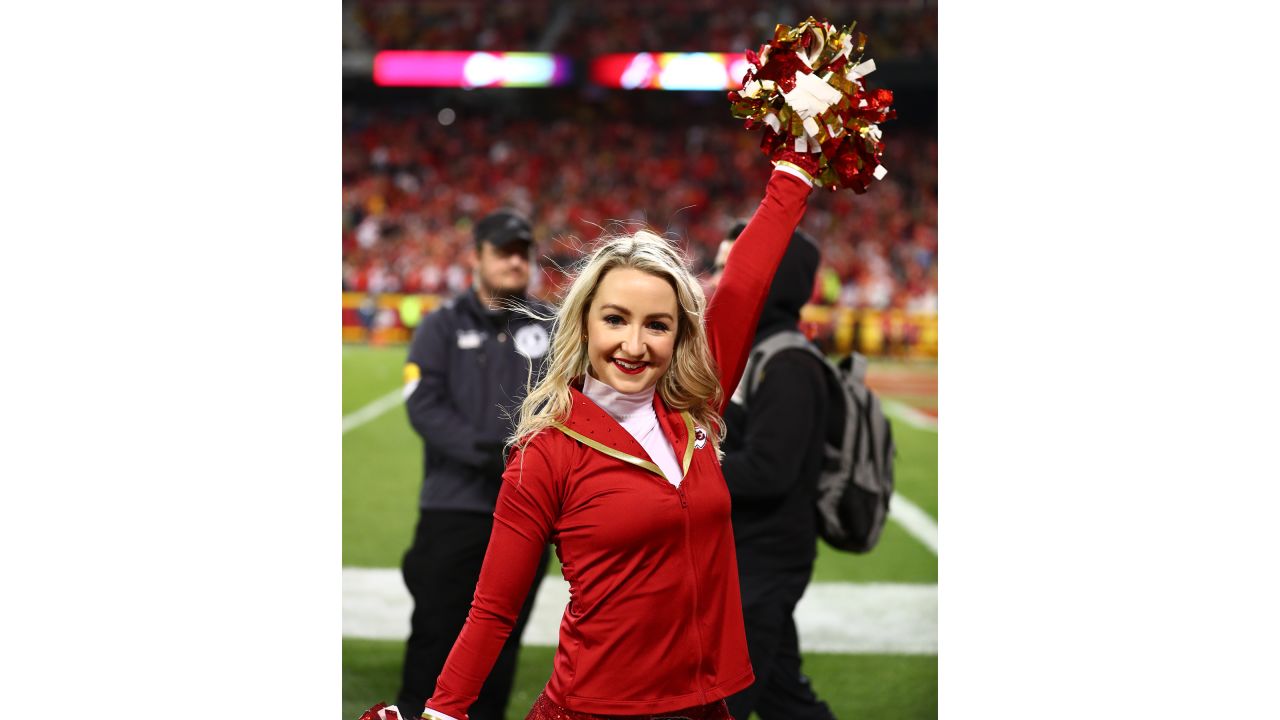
[624, 311]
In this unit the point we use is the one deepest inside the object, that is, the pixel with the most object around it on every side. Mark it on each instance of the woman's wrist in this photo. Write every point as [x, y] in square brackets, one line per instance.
[793, 169]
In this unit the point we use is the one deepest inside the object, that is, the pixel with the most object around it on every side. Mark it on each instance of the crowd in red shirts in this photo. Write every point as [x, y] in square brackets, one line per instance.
[899, 29]
[412, 186]
[445, 24]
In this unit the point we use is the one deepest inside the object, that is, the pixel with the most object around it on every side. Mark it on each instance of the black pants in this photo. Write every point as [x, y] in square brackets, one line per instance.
[781, 691]
[441, 570]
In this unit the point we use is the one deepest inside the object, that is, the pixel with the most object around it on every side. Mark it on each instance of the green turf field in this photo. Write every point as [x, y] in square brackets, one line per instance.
[381, 463]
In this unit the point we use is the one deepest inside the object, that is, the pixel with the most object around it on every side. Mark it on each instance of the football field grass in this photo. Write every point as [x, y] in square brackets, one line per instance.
[382, 466]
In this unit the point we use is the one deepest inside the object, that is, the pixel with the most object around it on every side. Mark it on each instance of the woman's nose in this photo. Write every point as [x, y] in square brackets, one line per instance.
[632, 344]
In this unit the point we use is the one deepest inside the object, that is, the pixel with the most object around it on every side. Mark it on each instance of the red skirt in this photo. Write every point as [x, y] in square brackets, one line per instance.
[545, 709]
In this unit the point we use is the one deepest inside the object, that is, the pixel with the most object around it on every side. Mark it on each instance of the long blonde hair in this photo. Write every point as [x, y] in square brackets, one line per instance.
[691, 382]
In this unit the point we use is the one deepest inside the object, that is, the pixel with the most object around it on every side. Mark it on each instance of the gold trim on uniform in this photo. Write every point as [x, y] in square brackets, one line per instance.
[688, 444]
[611, 452]
[790, 166]
[629, 458]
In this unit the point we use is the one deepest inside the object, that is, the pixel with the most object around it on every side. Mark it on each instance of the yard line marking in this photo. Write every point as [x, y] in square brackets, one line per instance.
[918, 523]
[857, 618]
[372, 410]
[893, 408]
[862, 618]
[909, 415]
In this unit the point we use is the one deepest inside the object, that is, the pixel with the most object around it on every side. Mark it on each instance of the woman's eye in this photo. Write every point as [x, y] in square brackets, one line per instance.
[658, 325]
[613, 320]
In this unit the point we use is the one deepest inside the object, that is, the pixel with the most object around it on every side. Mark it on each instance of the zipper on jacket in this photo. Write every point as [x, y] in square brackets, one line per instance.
[693, 568]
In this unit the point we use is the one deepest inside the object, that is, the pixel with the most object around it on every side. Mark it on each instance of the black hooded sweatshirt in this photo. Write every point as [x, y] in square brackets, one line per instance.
[773, 449]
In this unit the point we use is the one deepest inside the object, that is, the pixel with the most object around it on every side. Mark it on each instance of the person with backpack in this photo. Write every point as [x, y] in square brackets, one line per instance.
[774, 454]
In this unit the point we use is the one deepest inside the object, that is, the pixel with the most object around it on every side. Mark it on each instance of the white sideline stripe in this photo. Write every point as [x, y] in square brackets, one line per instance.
[856, 618]
[893, 408]
[372, 410]
[918, 523]
[909, 415]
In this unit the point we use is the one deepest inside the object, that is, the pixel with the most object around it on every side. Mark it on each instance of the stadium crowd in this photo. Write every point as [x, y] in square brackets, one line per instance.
[413, 184]
[444, 24]
[903, 29]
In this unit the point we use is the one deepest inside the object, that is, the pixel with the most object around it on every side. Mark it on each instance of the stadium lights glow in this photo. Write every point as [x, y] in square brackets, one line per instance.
[429, 68]
[670, 71]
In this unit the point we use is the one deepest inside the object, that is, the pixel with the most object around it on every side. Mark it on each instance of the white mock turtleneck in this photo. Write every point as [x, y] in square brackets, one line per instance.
[634, 412]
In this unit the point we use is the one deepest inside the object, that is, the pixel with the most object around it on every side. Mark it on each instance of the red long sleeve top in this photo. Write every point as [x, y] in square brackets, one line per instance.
[654, 621]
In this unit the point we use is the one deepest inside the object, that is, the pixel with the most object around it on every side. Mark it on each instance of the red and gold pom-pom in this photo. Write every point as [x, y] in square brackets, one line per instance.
[806, 86]
[382, 711]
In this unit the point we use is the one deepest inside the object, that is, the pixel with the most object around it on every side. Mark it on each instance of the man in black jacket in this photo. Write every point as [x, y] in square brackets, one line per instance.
[773, 456]
[469, 367]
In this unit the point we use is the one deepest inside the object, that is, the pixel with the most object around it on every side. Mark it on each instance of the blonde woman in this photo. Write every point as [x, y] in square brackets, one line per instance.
[616, 462]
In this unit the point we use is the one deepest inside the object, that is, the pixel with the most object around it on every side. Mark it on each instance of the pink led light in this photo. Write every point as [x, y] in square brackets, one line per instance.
[419, 68]
[426, 68]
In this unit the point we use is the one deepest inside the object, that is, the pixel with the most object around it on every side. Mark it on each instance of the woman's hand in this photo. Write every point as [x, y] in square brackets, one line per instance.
[785, 157]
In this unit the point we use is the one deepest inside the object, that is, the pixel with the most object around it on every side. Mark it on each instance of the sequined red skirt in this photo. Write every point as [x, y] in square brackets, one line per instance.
[545, 709]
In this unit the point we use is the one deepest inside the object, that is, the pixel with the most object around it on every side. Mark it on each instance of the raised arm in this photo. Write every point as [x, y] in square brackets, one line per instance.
[737, 302]
[528, 504]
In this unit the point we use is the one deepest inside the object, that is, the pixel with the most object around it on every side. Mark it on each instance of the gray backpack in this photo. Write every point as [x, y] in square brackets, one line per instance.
[857, 477]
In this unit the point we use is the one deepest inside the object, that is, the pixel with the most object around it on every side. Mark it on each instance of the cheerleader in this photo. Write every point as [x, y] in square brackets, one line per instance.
[616, 462]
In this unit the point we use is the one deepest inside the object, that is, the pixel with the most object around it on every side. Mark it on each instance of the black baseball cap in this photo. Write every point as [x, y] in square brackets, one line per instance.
[503, 227]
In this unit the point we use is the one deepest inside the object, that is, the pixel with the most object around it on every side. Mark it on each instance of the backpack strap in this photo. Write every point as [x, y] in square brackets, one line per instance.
[865, 450]
[763, 352]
